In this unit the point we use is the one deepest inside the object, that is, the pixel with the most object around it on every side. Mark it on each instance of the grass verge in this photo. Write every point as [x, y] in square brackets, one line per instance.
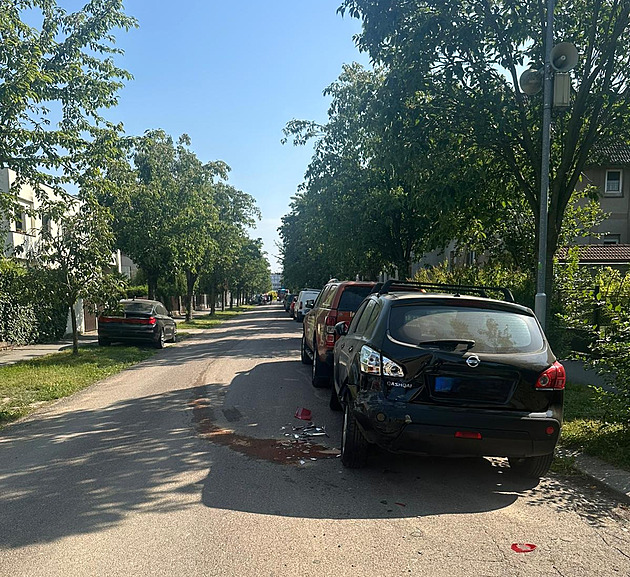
[27, 385]
[585, 430]
[210, 321]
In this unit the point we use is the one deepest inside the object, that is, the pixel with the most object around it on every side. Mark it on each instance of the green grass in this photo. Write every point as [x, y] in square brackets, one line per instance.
[585, 430]
[27, 385]
[212, 321]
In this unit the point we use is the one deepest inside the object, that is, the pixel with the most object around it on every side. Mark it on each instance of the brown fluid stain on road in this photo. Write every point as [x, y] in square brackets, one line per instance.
[285, 452]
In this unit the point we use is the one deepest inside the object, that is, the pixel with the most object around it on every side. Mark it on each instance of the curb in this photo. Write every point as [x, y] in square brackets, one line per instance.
[612, 477]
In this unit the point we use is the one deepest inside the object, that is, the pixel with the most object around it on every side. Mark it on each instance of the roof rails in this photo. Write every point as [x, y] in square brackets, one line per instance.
[455, 289]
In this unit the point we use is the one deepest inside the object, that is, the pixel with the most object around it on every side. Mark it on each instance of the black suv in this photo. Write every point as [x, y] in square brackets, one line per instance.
[445, 370]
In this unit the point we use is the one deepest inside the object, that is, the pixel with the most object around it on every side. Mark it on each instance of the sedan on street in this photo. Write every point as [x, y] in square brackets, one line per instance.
[139, 320]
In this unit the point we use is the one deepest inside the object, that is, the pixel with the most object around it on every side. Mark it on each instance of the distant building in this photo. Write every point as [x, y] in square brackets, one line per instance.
[276, 281]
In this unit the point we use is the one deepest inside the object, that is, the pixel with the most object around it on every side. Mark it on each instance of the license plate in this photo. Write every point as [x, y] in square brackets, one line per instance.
[444, 384]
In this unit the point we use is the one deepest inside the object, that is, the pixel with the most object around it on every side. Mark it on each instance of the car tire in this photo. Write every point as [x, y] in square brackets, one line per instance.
[304, 353]
[318, 380]
[334, 403]
[533, 467]
[161, 340]
[104, 342]
[354, 445]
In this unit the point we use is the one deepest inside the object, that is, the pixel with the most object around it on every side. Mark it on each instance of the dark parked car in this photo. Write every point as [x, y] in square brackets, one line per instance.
[337, 302]
[288, 299]
[138, 320]
[292, 306]
[448, 374]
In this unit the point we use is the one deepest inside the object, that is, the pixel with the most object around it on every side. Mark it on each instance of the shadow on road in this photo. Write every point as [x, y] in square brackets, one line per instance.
[86, 471]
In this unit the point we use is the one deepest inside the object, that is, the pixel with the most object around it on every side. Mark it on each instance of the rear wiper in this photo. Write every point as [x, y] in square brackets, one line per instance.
[452, 343]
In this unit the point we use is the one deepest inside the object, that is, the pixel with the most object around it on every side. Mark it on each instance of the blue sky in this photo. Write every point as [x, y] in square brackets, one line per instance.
[231, 74]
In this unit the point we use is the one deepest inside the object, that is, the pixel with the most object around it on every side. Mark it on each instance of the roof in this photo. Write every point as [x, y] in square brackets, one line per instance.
[614, 154]
[600, 253]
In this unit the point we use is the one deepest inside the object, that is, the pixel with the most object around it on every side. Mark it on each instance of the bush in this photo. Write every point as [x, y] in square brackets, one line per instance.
[31, 309]
[137, 291]
[520, 283]
[596, 303]
[18, 322]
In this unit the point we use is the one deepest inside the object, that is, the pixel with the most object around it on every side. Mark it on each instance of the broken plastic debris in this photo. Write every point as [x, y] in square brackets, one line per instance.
[303, 414]
[523, 547]
[302, 462]
[400, 504]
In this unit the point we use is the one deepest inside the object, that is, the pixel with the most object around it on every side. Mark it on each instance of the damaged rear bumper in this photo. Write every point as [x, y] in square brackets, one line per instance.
[455, 431]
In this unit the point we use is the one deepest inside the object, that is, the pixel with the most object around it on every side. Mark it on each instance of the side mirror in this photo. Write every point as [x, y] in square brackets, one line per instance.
[310, 303]
[341, 329]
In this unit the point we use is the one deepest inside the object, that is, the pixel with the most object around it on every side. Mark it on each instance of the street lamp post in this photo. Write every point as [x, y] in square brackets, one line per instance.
[540, 306]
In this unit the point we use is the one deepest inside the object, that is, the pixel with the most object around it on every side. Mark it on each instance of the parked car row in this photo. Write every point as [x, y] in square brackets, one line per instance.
[298, 305]
[436, 369]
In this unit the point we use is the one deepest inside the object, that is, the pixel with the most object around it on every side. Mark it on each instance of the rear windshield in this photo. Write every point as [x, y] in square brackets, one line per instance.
[352, 297]
[138, 307]
[493, 331]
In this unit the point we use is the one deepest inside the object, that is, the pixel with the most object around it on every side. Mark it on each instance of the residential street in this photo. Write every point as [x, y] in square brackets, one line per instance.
[182, 466]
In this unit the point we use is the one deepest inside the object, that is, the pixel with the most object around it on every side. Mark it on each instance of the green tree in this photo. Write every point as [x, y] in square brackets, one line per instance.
[78, 244]
[140, 196]
[467, 55]
[56, 77]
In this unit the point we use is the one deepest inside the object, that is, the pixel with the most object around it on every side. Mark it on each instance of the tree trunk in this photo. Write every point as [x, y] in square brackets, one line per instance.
[152, 284]
[223, 299]
[191, 279]
[213, 300]
[75, 336]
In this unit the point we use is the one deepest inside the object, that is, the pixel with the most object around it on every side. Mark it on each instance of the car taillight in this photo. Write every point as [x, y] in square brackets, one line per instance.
[108, 319]
[147, 321]
[331, 336]
[554, 378]
[373, 363]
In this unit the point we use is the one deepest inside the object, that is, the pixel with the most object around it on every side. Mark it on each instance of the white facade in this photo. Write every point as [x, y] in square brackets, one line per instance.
[23, 229]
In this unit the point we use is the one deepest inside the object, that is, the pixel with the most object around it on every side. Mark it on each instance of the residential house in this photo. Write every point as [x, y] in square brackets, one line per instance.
[609, 170]
[22, 230]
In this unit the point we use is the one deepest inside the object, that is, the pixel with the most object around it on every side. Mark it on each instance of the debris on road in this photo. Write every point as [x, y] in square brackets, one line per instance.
[303, 414]
[309, 430]
[523, 547]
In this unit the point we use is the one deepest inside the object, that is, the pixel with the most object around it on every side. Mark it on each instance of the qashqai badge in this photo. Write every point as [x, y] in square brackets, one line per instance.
[473, 361]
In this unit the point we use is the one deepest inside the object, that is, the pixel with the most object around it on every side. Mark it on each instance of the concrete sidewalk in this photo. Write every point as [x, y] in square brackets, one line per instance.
[28, 352]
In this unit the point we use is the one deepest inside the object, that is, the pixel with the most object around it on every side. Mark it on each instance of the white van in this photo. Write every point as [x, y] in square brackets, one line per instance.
[300, 306]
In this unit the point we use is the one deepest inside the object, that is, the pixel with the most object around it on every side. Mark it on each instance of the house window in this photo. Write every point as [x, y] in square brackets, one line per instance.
[613, 183]
[612, 239]
[46, 224]
[20, 220]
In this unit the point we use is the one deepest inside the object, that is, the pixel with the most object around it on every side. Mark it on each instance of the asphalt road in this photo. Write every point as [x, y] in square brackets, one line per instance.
[182, 466]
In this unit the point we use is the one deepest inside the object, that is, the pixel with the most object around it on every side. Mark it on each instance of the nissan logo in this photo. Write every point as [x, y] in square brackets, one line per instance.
[473, 361]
